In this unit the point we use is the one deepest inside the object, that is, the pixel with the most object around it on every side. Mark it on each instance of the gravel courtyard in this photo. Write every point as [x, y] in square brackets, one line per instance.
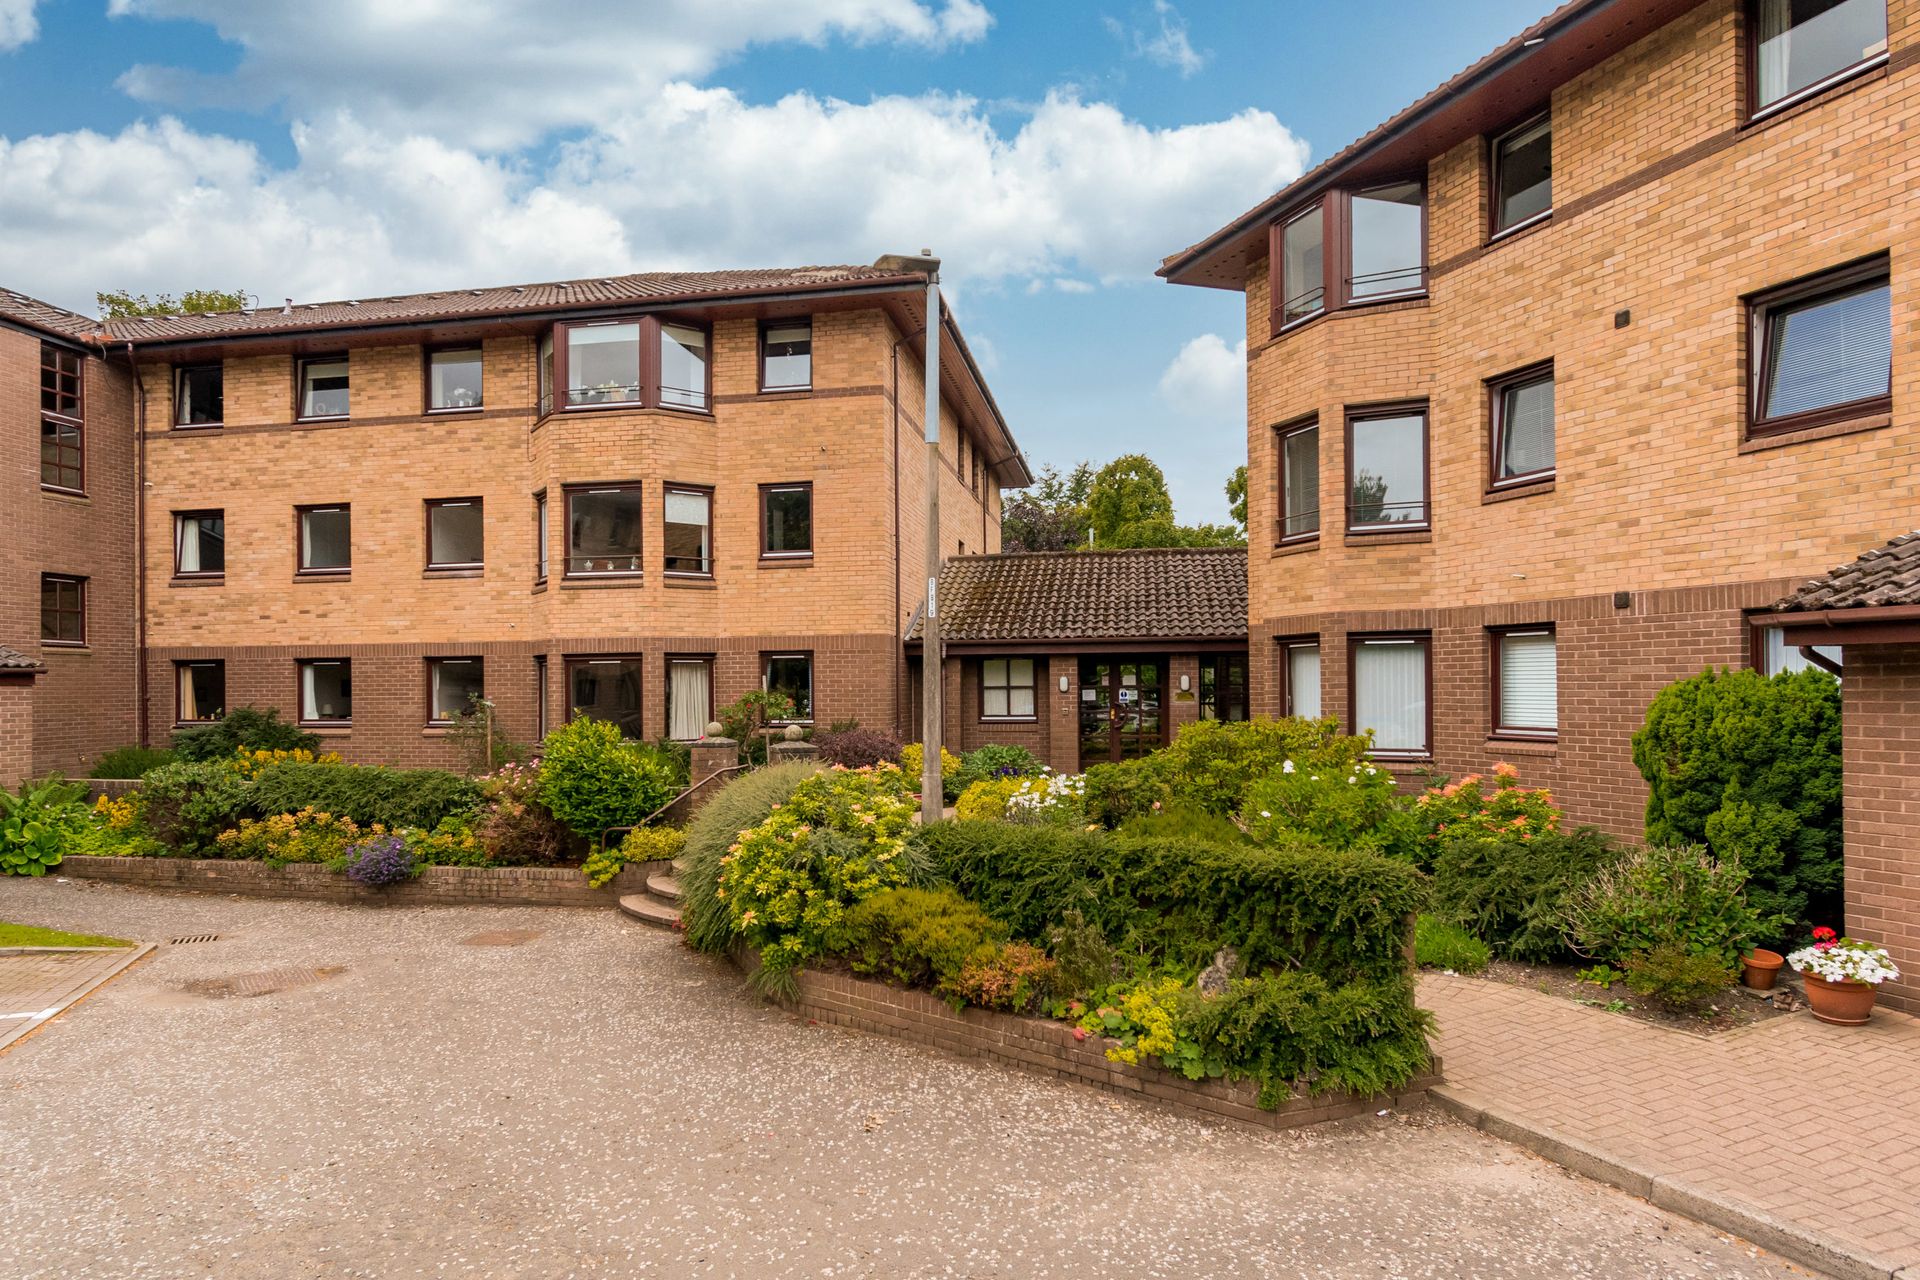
[596, 1101]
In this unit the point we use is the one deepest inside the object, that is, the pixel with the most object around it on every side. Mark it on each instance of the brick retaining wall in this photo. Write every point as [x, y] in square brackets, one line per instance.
[1049, 1048]
[436, 886]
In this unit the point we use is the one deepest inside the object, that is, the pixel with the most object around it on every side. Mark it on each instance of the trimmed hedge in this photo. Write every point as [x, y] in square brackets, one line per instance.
[366, 793]
[1512, 894]
[1343, 916]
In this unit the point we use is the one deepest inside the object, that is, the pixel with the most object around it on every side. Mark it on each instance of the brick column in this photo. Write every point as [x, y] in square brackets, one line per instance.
[1880, 715]
[1181, 706]
[1062, 709]
[16, 727]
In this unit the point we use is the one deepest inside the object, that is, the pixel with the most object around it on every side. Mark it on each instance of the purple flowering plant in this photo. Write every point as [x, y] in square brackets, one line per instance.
[381, 861]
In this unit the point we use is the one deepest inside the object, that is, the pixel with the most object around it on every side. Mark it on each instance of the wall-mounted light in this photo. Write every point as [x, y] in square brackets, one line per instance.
[1063, 684]
[1186, 682]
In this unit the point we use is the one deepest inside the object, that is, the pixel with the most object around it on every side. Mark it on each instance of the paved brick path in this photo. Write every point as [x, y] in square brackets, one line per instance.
[36, 984]
[1812, 1126]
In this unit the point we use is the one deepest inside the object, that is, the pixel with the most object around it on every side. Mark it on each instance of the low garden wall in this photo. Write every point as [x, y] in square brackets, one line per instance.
[435, 886]
[1049, 1048]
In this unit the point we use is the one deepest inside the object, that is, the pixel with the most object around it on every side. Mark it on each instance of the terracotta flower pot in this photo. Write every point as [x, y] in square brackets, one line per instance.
[1760, 967]
[1845, 1004]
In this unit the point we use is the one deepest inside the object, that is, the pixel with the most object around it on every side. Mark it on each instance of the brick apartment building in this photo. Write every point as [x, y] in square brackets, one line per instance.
[1563, 375]
[636, 498]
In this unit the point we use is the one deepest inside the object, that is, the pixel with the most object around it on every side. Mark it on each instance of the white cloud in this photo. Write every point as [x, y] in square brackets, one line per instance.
[1166, 43]
[18, 26]
[695, 178]
[1207, 381]
[499, 74]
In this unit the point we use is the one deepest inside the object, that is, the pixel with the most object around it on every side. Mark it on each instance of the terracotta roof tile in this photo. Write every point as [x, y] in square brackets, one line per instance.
[447, 304]
[44, 316]
[1884, 577]
[13, 660]
[1159, 593]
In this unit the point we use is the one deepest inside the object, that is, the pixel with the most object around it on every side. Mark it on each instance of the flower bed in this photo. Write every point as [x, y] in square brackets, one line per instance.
[434, 886]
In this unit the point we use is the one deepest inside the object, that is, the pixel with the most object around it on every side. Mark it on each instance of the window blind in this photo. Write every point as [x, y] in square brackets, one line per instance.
[1303, 680]
[1529, 681]
[1831, 352]
[1390, 693]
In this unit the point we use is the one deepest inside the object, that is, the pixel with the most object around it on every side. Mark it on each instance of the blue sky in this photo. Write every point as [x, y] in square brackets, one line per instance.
[1050, 152]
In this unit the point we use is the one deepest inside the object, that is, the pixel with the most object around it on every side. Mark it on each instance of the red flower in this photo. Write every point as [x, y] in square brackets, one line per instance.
[1824, 934]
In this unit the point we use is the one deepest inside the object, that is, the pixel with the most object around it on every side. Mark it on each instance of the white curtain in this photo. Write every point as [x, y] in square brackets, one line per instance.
[1303, 680]
[309, 694]
[689, 696]
[1529, 682]
[1390, 693]
[1776, 42]
[189, 704]
[189, 546]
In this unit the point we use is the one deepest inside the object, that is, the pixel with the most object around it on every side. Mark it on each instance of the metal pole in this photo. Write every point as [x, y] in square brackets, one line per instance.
[931, 667]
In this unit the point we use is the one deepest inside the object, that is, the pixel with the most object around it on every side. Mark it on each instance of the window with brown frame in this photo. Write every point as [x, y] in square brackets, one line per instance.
[199, 544]
[1298, 448]
[540, 543]
[326, 690]
[1300, 677]
[688, 530]
[1349, 248]
[1520, 179]
[1771, 655]
[325, 387]
[689, 696]
[786, 521]
[603, 531]
[1387, 469]
[63, 453]
[1223, 687]
[456, 533]
[790, 674]
[786, 354]
[1301, 255]
[1525, 682]
[1390, 692]
[1822, 349]
[199, 691]
[540, 694]
[1796, 48]
[63, 610]
[1008, 689]
[607, 688]
[199, 395]
[323, 540]
[454, 685]
[645, 362]
[1521, 428]
[455, 380]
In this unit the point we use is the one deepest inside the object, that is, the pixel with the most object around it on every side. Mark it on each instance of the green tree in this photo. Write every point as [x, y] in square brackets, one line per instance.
[1051, 515]
[1750, 767]
[120, 305]
[1237, 497]
[1130, 490]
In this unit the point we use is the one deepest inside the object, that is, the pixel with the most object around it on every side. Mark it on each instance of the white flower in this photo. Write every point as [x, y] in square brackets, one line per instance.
[1351, 779]
[1265, 814]
[1286, 766]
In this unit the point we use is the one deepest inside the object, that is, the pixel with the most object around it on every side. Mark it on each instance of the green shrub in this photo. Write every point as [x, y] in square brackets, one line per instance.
[1212, 764]
[1466, 810]
[1334, 797]
[985, 800]
[514, 827]
[453, 842]
[1679, 897]
[1439, 945]
[246, 727]
[130, 762]
[996, 760]
[282, 838]
[1127, 790]
[1184, 822]
[591, 778]
[643, 844]
[186, 805]
[1341, 914]
[37, 823]
[737, 807]
[920, 937]
[1014, 976]
[1084, 961]
[367, 793]
[913, 756]
[1750, 767]
[1670, 975]
[1513, 893]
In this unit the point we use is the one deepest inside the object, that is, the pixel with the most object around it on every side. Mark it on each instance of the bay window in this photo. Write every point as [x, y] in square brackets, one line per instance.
[1300, 678]
[1387, 230]
[1387, 470]
[1526, 688]
[1391, 693]
[1299, 482]
[1802, 46]
[645, 362]
[683, 366]
[1348, 248]
[1303, 278]
[540, 536]
[1822, 349]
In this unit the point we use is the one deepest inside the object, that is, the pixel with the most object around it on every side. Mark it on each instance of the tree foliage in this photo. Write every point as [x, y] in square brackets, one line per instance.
[118, 304]
[1750, 767]
[1130, 490]
[1237, 497]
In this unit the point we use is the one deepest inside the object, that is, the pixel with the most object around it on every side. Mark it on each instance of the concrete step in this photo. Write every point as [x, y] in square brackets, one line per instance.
[663, 886]
[650, 910]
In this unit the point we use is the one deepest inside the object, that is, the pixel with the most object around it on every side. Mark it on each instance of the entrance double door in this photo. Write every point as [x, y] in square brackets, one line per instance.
[1121, 711]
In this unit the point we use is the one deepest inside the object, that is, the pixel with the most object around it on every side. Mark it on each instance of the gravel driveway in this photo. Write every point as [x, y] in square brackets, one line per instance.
[596, 1101]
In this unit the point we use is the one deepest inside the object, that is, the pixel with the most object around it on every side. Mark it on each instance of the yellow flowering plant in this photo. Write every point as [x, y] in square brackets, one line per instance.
[248, 762]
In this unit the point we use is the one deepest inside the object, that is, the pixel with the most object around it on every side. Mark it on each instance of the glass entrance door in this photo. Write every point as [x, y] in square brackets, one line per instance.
[1121, 715]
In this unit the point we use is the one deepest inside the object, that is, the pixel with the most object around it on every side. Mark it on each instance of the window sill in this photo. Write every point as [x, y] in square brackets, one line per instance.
[539, 586]
[78, 496]
[1397, 302]
[323, 575]
[198, 580]
[452, 412]
[1528, 489]
[1296, 548]
[1499, 743]
[476, 571]
[65, 646]
[703, 583]
[597, 581]
[1519, 229]
[328, 728]
[1412, 764]
[785, 393]
[1825, 431]
[786, 562]
[1009, 720]
[1874, 68]
[330, 417]
[435, 729]
[191, 427]
[1389, 539]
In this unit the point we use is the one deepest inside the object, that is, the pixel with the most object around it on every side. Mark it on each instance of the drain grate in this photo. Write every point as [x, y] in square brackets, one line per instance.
[193, 937]
[261, 984]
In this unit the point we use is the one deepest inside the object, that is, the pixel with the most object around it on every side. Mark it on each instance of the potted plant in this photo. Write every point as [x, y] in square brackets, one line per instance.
[1841, 974]
[1759, 967]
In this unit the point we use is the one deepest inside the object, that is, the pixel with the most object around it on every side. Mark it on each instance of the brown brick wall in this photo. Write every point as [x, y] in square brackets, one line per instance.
[436, 886]
[1666, 208]
[16, 729]
[1881, 723]
[84, 703]
[847, 605]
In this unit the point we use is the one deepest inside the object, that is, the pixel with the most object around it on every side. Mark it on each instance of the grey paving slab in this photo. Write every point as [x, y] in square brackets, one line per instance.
[37, 984]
